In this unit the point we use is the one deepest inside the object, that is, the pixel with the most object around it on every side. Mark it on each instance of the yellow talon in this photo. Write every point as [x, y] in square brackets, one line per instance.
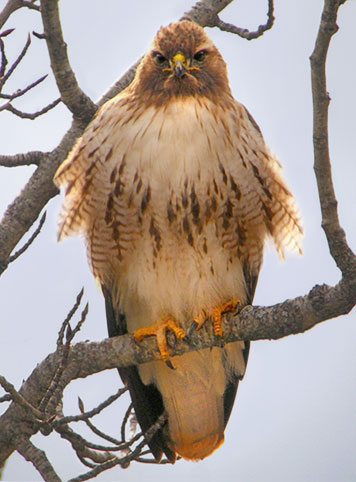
[215, 315]
[199, 320]
[158, 329]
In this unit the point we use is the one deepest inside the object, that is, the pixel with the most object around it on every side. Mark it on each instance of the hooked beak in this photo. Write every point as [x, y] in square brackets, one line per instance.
[178, 66]
[179, 69]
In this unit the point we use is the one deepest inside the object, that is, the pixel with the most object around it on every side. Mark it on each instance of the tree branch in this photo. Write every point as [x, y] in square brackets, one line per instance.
[20, 92]
[33, 157]
[339, 249]
[253, 323]
[28, 115]
[12, 6]
[93, 412]
[243, 32]
[25, 209]
[81, 106]
[38, 458]
[17, 61]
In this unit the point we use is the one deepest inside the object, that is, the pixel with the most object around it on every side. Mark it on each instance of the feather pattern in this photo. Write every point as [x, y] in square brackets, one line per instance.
[175, 194]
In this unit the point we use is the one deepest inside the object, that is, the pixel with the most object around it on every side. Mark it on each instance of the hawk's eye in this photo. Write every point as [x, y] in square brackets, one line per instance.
[159, 59]
[200, 56]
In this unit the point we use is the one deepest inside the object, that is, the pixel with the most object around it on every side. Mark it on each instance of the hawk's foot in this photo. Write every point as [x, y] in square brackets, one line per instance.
[158, 329]
[215, 315]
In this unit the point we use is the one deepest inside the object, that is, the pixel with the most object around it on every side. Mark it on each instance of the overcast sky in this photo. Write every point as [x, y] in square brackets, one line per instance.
[294, 417]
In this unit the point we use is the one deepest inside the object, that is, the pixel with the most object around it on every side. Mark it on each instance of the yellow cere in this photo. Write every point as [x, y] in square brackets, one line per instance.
[177, 57]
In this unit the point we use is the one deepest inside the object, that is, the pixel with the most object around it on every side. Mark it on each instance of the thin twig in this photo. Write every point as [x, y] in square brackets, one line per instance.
[94, 429]
[31, 240]
[38, 458]
[26, 207]
[3, 61]
[104, 436]
[18, 398]
[245, 33]
[64, 349]
[117, 447]
[26, 115]
[6, 32]
[20, 92]
[80, 445]
[152, 461]
[84, 461]
[17, 61]
[123, 461]
[94, 411]
[71, 333]
[18, 218]
[124, 422]
[28, 159]
[41, 36]
[12, 6]
[69, 317]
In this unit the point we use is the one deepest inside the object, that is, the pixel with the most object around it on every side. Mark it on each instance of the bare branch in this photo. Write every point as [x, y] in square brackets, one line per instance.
[124, 421]
[20, 92]
[93, 412]
[40, 189]
[7, 32]
[26, 115]
[151, 460]
[38, 458]
[54, 389]
[81, 106]
[25, 209]
[17, 61]
[123, 461]
[30, 241]
[32, 157]
[3, 61]
[253, 323]
[18, 398]
[290, 317]
[205, 12]
[41, 36]
[80, 445]
[339, 249]
[245, 33]
[69, 317]
[12, 6]
[104, 436]
[71, 333]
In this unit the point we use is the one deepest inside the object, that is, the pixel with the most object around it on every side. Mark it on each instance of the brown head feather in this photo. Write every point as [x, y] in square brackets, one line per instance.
[156, 82]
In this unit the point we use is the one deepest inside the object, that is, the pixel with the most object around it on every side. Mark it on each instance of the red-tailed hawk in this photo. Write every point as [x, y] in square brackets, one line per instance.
[175, 192]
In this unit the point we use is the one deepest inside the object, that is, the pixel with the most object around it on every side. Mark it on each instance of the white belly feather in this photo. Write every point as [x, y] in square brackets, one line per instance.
[167, 225]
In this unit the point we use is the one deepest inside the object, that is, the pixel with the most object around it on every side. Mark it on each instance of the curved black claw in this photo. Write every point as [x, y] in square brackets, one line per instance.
[170, 364]
[192, 328]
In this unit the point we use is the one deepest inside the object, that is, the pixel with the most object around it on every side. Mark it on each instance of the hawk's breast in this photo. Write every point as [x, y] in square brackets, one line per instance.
[180, 210]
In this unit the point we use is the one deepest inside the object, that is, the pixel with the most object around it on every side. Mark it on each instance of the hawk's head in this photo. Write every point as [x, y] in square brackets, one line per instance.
[183, 61]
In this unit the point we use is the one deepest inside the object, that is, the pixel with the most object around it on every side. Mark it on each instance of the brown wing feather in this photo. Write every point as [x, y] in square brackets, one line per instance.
[146, 399]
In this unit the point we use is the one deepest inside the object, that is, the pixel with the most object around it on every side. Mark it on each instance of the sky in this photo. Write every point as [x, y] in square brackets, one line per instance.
[294, 417]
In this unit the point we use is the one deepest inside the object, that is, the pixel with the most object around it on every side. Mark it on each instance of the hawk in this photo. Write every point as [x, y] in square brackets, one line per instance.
[175, 192]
